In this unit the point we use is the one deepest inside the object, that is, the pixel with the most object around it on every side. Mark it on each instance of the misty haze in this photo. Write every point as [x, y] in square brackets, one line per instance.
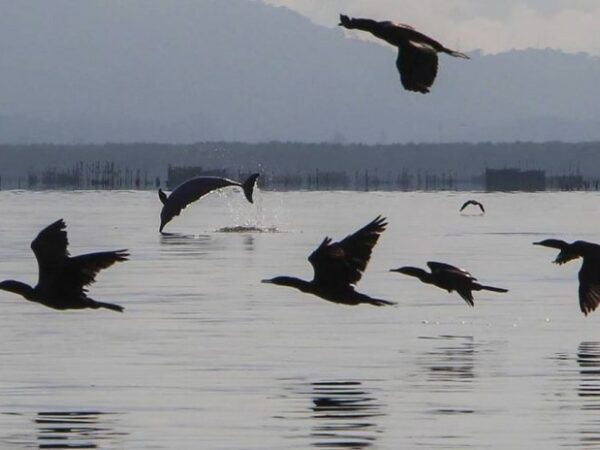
[237, 70]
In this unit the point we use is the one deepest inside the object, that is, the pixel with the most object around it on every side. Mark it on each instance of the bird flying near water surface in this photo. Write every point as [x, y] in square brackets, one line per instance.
[62, 279]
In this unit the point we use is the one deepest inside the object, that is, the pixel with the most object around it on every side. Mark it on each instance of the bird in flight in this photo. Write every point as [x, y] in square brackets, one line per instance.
[449, 278]
[338, 266]
[62, 279]
[589, 274]
[417, 59]
[474, 203]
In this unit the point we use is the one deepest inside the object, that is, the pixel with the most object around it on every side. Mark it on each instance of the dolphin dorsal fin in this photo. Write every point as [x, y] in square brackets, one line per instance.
[162, 196]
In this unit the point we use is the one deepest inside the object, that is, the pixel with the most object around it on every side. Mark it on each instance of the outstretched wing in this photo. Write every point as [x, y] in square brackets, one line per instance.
[417, 63]
[437, 267]
[340, 264]
[466, 294]
[50, 249]
[472, 202]
[589, 285]
[81, 270]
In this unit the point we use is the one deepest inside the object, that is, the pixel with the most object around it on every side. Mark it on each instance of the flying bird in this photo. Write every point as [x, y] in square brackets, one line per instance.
[191, 190]
[62, 279]
[589, 274]
[449, 278]
[417, 59]
[338, 266]
[474, 203]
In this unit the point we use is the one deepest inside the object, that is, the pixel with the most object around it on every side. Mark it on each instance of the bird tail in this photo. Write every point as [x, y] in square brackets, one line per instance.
[248, 186]
[379, 302]
[455, 53]
[95, 305]
[491, 288]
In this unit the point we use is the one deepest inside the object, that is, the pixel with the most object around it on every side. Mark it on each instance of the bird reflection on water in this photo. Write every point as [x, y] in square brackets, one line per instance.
[588, 359]
[77, 429]
[344, 414]
[450, 366]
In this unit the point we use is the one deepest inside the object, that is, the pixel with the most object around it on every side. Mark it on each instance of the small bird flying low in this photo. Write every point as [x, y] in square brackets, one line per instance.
[339, 265]
[472, 202]
[193, 189]
[417, 59]
[62, 279]
[449, 278]
[589, 274]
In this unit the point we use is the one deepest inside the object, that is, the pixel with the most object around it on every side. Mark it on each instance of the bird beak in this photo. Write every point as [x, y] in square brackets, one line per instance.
[537, 243]
[395, 270]
[267, 281]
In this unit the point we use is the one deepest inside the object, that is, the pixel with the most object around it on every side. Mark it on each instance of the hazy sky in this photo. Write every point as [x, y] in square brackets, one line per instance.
[490, 25]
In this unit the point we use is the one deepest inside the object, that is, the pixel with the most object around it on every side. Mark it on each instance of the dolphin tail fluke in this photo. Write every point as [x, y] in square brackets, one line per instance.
[248, 186]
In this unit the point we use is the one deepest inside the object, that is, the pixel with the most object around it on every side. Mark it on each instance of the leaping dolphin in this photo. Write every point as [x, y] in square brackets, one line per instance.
[193, 189]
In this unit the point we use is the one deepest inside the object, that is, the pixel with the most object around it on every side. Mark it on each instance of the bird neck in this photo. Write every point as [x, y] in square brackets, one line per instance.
[424, 276]
[18, 287]
[297, 283]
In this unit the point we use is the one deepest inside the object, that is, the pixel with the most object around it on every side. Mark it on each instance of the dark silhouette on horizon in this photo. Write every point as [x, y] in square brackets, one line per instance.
[417, 59]
[339, 265]
[449, 278]
[589, 274]
[63, 279]
[193, 189]
[474, 203]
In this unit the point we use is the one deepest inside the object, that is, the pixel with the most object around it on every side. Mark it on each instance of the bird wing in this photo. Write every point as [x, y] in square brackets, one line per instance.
[465, 204]
[50, 249]
[405, 26]
[437, 267]
[472, 202]
[418, 65]
[467, 295]
[81, 270]
[341, 263]
[589, 285]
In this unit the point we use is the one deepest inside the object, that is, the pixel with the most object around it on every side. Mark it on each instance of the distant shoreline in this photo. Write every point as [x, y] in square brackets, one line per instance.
[454, 165]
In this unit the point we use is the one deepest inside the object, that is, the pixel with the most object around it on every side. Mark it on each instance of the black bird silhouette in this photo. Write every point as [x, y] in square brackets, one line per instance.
[417, 59]
[62, 278]
[450, 278]
[191, 190]
[589, 274]
[339, 265]
[472, 202]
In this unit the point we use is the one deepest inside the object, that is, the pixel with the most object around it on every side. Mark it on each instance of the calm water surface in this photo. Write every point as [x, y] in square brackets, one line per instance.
[205, 356]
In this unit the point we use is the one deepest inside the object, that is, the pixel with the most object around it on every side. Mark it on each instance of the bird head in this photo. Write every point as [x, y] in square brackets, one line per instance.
[411, 271]
[17, 287]
[345, 21]
[568, 252]
[552, 243]
[281, 281]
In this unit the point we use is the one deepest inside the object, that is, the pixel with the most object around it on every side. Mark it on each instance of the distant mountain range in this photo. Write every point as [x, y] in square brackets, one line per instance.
[239, 70]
